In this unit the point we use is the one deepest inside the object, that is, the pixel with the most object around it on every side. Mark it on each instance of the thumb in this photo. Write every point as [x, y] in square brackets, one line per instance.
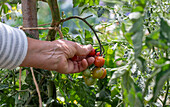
[83, 50]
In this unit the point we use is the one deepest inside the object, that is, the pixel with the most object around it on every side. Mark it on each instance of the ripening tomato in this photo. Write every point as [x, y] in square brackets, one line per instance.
[104, 73]
[99, 61]
[90, 81]
[87, 72]
[92, 53]
[97, 73]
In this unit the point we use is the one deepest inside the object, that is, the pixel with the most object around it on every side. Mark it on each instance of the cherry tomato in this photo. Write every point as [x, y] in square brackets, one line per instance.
[99, 61]
[90, 81]
[98, 73]
[104, 73]
[87, 72]
[92, 53]
[98, 54]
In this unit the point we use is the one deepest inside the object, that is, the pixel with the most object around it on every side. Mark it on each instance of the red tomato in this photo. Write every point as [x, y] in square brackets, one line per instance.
[92, 53]
[99, 61]
[104, 73]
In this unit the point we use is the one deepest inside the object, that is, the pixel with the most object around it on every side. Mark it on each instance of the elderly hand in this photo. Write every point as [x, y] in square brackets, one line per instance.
[56, 55]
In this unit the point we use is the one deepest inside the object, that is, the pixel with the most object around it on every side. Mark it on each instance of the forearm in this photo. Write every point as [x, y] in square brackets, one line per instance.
[39, 52]
[13, 47]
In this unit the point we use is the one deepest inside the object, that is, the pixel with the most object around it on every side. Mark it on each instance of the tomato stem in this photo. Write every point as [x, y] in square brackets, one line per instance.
[91, 27]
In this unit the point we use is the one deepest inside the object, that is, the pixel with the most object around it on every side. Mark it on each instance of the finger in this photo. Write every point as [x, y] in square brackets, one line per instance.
[83, 65]
[90, 60]
[71, 67]
[81, 50]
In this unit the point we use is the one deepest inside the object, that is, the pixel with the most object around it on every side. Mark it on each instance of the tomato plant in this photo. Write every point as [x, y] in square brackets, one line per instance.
[132, 35]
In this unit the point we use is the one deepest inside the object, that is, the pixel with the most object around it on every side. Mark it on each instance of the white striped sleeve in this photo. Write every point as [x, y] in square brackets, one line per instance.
[13, 46]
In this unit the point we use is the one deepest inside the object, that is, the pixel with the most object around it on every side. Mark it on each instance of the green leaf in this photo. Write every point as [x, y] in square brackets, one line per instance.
[128, 37]
[82, 3]
[165, 30]
[65, 30]
[139, 100]
[76, 3]
[88, 37]
[157, 43]
[86, 1]
[91, 2]
[141, 63]
[137, 30]
[3, 86]
[86, 97]
[161, 77]
[131, 92]
[123, 28]
[97, 2]
[138, 9]
[114, 91]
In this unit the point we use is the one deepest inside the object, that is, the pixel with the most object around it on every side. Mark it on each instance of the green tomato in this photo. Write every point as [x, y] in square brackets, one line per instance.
[87, 73]
[90, 81]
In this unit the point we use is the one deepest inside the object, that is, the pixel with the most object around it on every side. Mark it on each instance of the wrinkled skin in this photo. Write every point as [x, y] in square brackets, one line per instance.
[56, 55]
